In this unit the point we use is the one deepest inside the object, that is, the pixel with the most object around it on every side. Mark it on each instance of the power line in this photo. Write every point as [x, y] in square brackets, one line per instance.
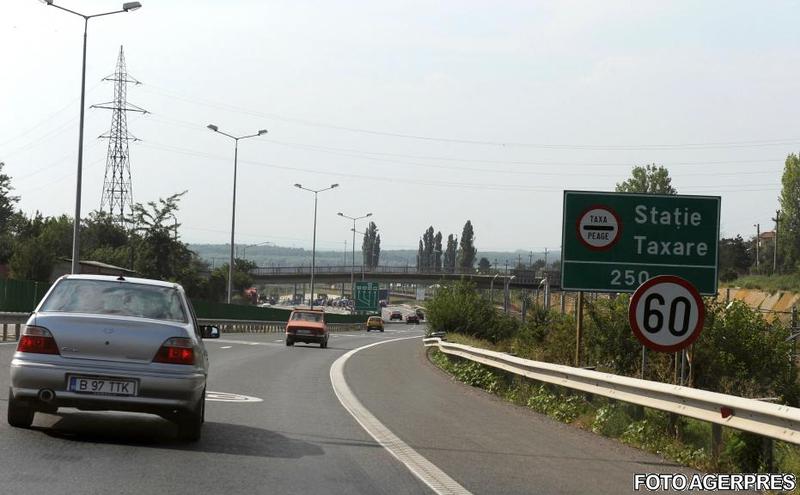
[447, 184]
[587, 147]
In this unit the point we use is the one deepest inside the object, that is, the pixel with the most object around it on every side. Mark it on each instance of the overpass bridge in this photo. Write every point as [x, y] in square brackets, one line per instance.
[518, 279]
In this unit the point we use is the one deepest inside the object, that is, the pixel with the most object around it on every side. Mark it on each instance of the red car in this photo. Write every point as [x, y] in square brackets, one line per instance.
[396, 315]
[307, 326]
[412, 318]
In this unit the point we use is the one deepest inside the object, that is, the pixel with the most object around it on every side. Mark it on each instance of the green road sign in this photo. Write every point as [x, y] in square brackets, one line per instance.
[614, 242]
[367, 296]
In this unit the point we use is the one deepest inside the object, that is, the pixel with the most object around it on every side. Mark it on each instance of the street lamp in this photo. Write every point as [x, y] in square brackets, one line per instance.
[76, 240]
[507, 296]
[353, 267]
[233, 209]
[314, 239]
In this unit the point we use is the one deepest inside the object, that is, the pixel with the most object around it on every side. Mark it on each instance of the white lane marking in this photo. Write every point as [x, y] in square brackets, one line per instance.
[226, 347]
[421, 467]
[243, 342]
[8, 343]
[228, 397]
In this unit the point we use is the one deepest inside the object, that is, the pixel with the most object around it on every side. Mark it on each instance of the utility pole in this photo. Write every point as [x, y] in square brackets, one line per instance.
[775, 252]
[758, 241]
[545, 258]
[530, 259]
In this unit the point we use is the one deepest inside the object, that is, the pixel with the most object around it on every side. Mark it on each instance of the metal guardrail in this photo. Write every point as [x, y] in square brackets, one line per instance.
[257, 326]
[12, 325]
[762, 418]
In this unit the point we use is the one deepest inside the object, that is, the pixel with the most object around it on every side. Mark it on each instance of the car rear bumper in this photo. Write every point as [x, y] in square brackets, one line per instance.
[307, 338]
[158, 393]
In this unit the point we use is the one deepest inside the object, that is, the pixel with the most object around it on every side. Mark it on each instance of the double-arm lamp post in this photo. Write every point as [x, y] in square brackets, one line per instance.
[353, 266]
[233, 209]
[314, 239]
[76, 238]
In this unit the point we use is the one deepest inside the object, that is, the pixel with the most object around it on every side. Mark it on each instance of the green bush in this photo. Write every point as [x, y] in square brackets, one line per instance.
[741, 353]
[459, 308]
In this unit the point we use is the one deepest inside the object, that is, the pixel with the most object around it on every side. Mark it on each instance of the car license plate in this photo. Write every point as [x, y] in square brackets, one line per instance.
[304, 332]
[102, 385]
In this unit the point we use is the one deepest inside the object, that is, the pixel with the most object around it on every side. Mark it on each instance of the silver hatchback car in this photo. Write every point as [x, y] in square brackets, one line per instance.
[105, 343]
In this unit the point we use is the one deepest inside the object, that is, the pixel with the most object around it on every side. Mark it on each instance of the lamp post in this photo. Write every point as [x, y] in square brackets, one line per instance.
[314, 239]
[491, 288]
[353, 267]
[76, 240]
[233, 208]
[507, 298]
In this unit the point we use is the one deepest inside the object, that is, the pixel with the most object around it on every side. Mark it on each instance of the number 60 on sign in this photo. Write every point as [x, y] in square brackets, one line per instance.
[666, 313]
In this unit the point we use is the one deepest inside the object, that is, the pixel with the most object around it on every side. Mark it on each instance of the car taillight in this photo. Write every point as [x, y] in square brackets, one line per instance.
[37, 340]
[177, 350]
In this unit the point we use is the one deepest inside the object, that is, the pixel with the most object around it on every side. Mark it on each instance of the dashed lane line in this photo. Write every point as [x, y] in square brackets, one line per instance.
[421, 467]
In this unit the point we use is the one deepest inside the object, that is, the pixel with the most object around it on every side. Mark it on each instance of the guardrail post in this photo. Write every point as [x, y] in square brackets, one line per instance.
[579, 329]
[769, 464]
[17, 330]
[716, 442]
[5, 332]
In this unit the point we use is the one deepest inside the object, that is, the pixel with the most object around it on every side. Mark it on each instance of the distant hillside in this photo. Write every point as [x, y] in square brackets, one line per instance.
[217, 254]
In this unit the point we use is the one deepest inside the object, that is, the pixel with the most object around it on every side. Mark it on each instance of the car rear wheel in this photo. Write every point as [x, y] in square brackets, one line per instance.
[289, 342]
[191, 422]
[20, 414]
[381, 329]
[323, 344]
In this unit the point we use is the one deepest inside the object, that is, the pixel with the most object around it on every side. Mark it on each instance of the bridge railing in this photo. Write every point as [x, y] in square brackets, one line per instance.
[762, 418]
[519, 275]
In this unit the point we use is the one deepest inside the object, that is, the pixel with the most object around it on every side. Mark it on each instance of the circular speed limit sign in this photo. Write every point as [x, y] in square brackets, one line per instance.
[666, 313]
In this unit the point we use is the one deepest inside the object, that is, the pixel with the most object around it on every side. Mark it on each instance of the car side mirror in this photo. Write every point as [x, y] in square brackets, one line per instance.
[209, 331]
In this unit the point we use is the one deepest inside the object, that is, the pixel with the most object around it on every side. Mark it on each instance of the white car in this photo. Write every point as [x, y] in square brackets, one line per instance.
[112, 343]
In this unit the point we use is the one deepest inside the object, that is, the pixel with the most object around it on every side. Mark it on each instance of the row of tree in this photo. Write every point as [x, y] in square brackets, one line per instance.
[32, 246]
[456, 256]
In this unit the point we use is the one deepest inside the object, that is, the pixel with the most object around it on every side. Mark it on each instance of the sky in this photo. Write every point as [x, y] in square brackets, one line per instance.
[425, 113]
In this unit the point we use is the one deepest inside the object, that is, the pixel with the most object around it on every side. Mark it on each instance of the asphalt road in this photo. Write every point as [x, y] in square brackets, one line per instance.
[299, 438]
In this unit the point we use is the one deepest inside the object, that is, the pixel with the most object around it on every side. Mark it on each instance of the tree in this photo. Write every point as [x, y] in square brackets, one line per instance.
[38, 244]
[437, 252]
[371, 246]
[420, 258]
[466, 250]
[9, 218]
[427, 249]
[650, 179]
[450, 254]
[484, 265]
[789, 225]
[159, 253]
[735, 257]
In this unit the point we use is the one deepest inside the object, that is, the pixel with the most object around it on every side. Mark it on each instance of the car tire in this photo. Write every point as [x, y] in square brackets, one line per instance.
[381, 329]
[289, 342]
[20, 413]
[323, 344]
[190, 423]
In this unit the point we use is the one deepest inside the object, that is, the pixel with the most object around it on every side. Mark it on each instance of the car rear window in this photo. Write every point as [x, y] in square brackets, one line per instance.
[115, 298]
[373, 318]
[316, 317]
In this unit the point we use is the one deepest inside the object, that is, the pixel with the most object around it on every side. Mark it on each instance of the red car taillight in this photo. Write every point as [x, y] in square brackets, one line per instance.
[37, 340]
[177, 350]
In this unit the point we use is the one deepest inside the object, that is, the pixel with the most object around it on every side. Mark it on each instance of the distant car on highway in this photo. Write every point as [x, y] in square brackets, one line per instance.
[103, 343]
[307, 326]
[420, 314]
[395, 315]
[383, 303]
[374, 323]
[412, 318]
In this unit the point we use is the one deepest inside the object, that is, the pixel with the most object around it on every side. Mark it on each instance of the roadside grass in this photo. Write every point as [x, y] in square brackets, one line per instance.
[767, 283]
[680, 439]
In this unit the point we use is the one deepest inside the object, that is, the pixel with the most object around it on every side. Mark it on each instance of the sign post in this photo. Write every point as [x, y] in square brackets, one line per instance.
[666, 313]
[614, 242]
[366, 296]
